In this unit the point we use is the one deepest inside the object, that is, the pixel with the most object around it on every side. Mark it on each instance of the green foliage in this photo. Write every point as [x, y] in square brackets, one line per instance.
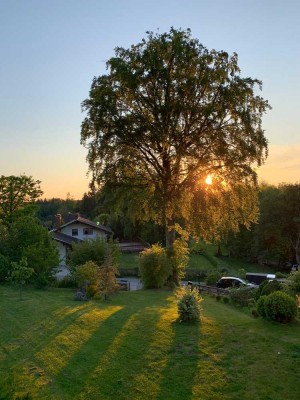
[270, 287]
[97, 281]
[28, 238]
[17, 193]
[188, 304]
[280, 307]
[242, 273]
[86, 273]
[167, 113]
[292, 283]
[155, 267]
[212, 278]
[178, 257]
[20, 273]
[242, 296]
[260, 306]
[4, 267]
[95, 250]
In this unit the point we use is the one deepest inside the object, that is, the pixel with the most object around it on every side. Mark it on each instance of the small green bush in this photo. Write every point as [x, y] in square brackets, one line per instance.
[242, 296]
[280, 307]
[212, 278]
[260, 306]
[292, 283]
[218, 297]
[270, 287]
[261, 288]
[155, 267]
[226, 299]
[189, 304]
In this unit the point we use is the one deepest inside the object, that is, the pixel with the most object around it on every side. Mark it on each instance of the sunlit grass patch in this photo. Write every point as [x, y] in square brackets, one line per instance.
[57, 353]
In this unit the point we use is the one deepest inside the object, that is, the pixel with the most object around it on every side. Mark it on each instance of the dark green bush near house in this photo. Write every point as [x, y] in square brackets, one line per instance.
[280, 307]
[226, 299]
[212, 278]
[270, 287]
[260, 306]
[155, 267]
[92, 250]
[188, 304]
[261, 288]
[242, 296]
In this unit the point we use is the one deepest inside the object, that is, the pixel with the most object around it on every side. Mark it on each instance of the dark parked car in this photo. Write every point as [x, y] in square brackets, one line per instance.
[231, 281]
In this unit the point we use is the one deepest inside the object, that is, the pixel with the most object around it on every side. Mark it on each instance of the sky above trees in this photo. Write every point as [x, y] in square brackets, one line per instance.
[51, 50]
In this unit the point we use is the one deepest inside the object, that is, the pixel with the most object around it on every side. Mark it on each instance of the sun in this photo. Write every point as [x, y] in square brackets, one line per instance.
[208, 180]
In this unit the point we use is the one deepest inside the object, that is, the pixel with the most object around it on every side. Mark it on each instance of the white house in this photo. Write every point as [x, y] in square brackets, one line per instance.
[75, 230]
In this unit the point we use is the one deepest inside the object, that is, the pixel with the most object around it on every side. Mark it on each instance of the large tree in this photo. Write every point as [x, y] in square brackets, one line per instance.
[168, 113]
[16, 194]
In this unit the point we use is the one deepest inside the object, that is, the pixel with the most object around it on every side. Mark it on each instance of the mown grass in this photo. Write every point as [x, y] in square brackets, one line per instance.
[129, 264]
[133, 347]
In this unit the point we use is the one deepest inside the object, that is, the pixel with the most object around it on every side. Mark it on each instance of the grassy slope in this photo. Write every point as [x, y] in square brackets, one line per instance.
[134, 348]
[200, 263]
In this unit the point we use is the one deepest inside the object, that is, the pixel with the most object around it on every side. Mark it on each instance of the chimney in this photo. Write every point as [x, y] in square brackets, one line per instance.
[58, 221]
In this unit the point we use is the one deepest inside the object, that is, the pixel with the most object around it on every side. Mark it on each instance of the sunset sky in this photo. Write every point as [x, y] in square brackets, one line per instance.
[51, 50]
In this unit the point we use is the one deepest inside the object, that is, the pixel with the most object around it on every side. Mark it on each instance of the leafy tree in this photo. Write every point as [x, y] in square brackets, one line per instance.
[168, 113]
[28, 239]
[17, 193]
[20, 273]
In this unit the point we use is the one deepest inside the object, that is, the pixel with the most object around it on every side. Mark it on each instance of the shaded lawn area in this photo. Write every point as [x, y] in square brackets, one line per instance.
[133, 347]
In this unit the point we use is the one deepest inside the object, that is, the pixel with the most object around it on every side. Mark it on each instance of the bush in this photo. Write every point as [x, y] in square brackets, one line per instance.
[280, 307]
[292, 283]
[155, 268]
[242, 273]
[178, 256]
[270, 287]
[95, 250]
[226, 299]
[188, 304]
[242, 296]
[212, 278]
[261, 288]
[260, 306]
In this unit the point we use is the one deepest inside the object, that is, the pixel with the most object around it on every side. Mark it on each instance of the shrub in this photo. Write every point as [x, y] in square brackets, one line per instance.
[242, 296]
[260, 306]
[66, 282]
[226, 299]
[188, 304]
[292, 283]
[212, 278]
[218, 297]
[155, 267]
[270, 287]
[242, 273]
[95, 250]
[178, 256]
[261, 288]
[280, 307]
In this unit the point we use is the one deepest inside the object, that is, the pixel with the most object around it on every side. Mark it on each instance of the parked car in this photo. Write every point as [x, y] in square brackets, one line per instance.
[232, 281]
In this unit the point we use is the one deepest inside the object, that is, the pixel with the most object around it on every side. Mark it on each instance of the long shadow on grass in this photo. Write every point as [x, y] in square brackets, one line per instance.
[193, 370]
[111, 356]
[41, 334]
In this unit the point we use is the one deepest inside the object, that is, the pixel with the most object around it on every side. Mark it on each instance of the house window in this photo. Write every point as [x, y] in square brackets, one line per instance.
[87, 231]
[74, 232]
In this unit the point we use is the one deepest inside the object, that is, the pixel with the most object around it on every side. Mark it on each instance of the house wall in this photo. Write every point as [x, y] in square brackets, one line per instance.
[62, 250]
[67, 230]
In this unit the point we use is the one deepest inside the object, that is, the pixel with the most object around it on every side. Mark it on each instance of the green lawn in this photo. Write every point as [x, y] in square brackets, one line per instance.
[134, 348]
[129, 263]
